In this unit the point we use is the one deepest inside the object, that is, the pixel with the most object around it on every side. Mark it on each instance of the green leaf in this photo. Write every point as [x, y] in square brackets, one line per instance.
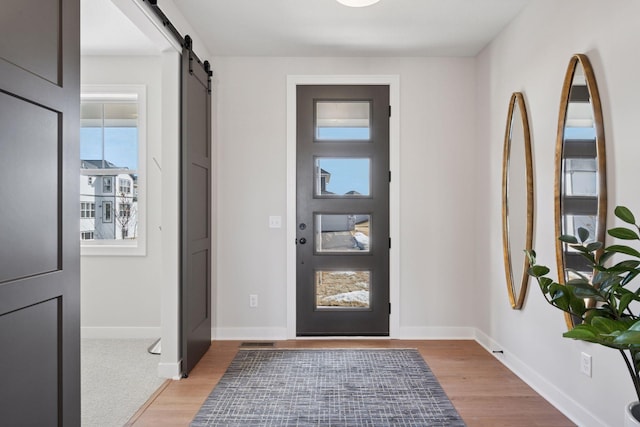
[625, 214]
[592, 247]
[605, 256]
[566, 238]
[582, 332]
[626, 266]
[538, 270]
[559, 297]
[632, 274]
[608, 281]
[629, 337]
[577, 306]
[544, 283]
[635, 326]
[580, 248]
[625, 300]
[623, 233]
[607, 326]
[589, 293]
[583, 233]
[621, 249]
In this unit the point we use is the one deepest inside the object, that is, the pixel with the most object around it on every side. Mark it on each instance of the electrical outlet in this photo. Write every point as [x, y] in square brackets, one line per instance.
[275, 222]
[585, 364]
[253, 301]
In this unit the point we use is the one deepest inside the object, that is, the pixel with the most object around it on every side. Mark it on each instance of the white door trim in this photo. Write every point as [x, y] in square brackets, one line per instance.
[394, 196]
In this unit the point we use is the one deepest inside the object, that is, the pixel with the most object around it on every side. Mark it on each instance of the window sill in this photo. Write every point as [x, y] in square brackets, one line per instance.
[113, 249]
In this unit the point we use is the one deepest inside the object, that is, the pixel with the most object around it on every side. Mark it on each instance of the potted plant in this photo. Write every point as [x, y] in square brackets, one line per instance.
[608, 318]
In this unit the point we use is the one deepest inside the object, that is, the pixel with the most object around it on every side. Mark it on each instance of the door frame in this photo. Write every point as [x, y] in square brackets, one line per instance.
[393, 81]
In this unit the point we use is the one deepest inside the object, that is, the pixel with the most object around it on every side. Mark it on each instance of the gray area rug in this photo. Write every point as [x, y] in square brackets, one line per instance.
[118, 376]
[328, 388]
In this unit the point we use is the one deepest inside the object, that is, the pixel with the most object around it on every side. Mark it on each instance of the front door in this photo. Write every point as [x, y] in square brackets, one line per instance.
[342, 219]
[39, 210]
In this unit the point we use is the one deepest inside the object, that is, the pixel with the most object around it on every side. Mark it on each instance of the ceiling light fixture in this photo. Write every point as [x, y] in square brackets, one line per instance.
[357, 3]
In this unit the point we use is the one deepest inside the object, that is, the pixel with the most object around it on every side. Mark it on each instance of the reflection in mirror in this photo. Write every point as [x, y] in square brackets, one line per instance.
[580, 188]
[517, 200]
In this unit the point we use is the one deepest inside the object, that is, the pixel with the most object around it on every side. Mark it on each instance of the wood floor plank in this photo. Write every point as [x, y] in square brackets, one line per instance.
[484, 392]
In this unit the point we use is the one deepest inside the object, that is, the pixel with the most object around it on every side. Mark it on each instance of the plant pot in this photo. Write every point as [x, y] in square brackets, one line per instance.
[632, 415]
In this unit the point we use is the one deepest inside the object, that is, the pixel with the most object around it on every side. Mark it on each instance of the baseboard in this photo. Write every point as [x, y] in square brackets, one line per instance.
[435, 333]
[565, 404]
[408, 333]
[246, 334]
[169, 370]
[120, 332]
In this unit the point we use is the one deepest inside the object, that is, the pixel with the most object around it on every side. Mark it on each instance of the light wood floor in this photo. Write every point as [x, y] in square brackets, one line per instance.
[484, 392]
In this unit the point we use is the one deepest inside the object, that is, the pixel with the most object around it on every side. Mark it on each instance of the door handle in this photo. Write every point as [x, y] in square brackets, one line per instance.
[302, 240]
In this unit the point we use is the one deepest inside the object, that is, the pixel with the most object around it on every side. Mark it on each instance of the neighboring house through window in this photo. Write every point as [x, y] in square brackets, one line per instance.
[112, 152]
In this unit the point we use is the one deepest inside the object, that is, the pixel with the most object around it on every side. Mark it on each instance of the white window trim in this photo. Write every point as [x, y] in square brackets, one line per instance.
[120, 247]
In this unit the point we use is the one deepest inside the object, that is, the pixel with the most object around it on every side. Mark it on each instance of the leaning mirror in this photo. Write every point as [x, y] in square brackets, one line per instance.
[580, 182]
[517, 200]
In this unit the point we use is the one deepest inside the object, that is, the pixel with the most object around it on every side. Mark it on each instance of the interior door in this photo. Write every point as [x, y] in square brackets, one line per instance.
[342, 210]
[196, 208]
[39, 212]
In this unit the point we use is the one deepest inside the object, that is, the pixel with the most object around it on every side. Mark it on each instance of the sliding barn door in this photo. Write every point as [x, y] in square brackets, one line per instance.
[39, 213]
[196, 208]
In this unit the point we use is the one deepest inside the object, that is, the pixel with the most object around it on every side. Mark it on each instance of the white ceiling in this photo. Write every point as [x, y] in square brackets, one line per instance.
[313, 27]
[105, 30]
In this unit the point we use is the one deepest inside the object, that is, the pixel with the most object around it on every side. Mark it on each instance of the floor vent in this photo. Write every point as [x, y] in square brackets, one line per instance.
[257, 344]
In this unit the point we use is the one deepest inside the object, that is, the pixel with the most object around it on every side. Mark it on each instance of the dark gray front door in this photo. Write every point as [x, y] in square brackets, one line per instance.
[196, 209]
[39, 212]
[342, 205]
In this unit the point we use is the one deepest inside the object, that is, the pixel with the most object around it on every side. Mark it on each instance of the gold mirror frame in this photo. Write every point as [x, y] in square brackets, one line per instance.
[600, 197]
[517, 279]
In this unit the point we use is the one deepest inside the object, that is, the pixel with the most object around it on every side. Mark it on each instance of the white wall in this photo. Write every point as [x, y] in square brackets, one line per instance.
[438, 152]
[121, 296]
[531, 56]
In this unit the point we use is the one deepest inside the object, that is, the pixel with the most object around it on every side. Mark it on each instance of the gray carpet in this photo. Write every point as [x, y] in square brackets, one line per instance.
[118, 376]
[328, 388]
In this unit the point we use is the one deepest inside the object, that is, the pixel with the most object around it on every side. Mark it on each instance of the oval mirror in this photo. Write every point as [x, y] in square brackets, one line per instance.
[517, 200]
[580, 182]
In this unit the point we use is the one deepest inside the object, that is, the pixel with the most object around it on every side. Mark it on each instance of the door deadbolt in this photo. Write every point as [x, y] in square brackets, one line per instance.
[302, 226]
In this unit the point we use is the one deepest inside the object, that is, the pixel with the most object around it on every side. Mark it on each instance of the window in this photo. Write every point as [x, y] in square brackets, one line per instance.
[124, 210]
[87, 210]
[112, 153]
[86, 235]
[107, 184]
[107, 211]
[125, 186]
[343, 121]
